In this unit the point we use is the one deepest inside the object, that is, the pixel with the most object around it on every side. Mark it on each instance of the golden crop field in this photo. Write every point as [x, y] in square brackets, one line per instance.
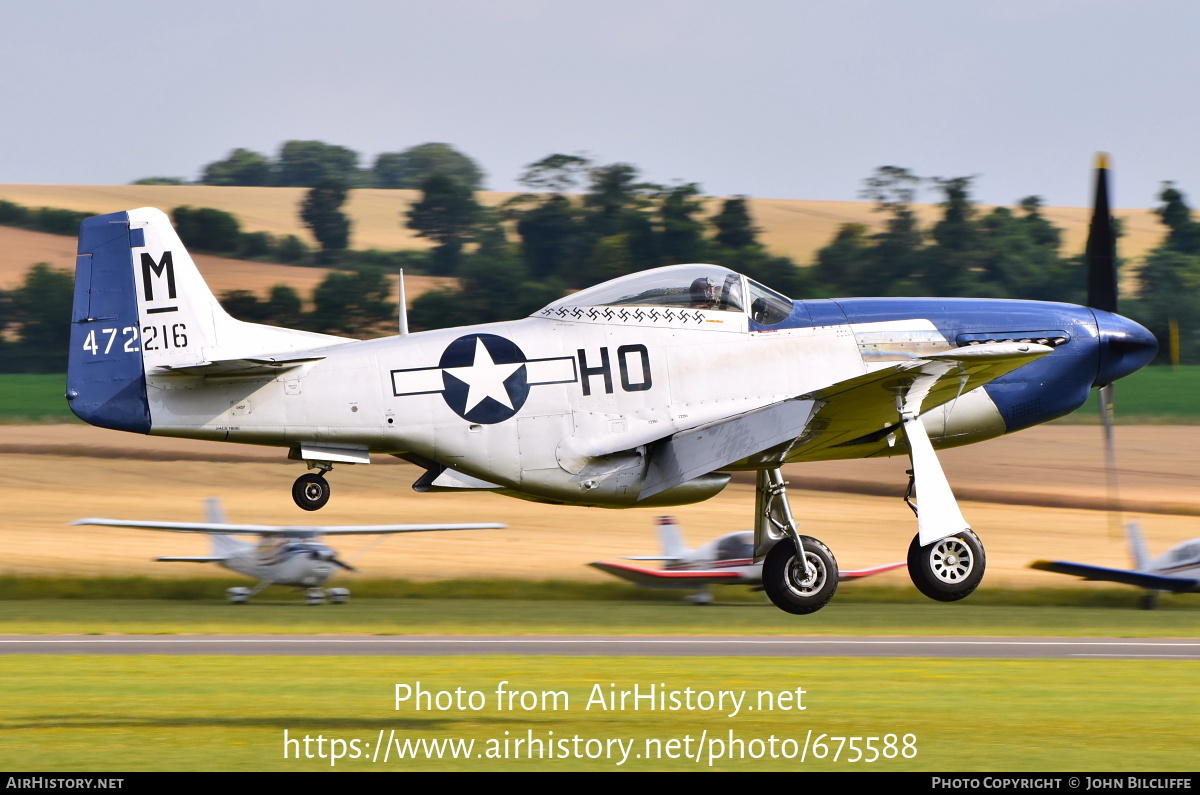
[55, 474]
[795, 228]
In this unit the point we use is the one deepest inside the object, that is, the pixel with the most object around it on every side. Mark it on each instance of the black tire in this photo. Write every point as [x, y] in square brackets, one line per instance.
[948, 569]
[786, 582]
[310, 492]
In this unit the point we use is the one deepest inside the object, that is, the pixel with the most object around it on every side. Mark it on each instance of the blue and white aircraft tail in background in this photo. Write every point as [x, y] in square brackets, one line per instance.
[1176, 571]
[647, 390]
[293, 555]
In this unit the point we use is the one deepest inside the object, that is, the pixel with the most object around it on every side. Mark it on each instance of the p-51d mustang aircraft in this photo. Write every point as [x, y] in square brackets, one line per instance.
[727, 560]
[643, 391]
[1177, 570]
[292, 556]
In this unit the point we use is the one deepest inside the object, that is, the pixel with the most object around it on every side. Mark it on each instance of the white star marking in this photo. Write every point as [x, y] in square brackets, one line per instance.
[485, 378]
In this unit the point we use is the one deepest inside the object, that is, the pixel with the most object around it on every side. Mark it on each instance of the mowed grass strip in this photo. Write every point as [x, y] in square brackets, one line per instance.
[130, 713]
[1160, 395]
[285, 614]
[37, 399]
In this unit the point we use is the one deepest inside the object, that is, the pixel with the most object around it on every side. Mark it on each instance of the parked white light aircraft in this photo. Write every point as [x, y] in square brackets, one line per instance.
[291, 555]
[726, 560]
[1176, 571]
[642, 391]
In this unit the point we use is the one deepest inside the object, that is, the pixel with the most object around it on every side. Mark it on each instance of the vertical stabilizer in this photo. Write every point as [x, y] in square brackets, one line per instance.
[106, 382]
[222, 545]
[1137, 546]
[670, 537]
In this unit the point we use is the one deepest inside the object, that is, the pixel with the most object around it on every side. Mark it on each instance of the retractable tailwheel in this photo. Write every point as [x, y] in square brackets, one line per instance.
[949, 569]
[310, 491]
[338, 596]
[800, 586]
[314, 596]
[237, 596]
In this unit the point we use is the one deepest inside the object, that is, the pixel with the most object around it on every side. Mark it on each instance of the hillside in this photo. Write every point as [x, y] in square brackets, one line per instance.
[795, 228]
[20, 248]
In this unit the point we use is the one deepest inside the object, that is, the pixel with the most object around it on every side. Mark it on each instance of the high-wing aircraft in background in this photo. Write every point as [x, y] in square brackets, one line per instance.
[643, 391]
[1175, 571]
[726, 560]
[292, 556]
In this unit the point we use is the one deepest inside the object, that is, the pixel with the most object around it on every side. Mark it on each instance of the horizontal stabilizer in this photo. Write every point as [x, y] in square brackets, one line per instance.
[294, 531]
[1140, 579]
[259, 365]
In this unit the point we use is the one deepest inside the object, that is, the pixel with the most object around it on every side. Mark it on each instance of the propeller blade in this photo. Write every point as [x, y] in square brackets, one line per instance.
[1101, 259]
[1107, 395]
[1101, 252]
[345, 566]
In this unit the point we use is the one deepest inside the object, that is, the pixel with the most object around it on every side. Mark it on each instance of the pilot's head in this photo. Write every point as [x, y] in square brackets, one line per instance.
[704, 292]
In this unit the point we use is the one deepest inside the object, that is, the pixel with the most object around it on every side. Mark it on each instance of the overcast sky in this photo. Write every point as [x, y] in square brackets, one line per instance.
[769, 98]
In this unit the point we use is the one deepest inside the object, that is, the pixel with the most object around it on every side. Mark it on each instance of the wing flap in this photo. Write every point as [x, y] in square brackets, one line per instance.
[701, 450]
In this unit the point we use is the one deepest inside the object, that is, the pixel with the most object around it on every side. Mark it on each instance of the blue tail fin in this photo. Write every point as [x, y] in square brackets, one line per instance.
[106, 381]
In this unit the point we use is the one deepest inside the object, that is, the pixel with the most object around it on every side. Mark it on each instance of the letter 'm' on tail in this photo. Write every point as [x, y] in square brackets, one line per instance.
[670, 538]
[141, 307]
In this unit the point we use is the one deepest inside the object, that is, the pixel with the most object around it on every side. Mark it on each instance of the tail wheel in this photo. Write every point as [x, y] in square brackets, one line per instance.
[949, 569]
[797, 588]
[310, 492]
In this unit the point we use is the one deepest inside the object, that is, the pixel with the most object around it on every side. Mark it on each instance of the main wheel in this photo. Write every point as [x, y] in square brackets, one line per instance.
[310, 491]
[792, 586]
[948, 569]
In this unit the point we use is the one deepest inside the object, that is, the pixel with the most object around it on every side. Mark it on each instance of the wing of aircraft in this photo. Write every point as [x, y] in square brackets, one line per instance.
[837, 414]
[680, 578]
[686, 578]
[285, 555]
[295, 531]
[1141, 579]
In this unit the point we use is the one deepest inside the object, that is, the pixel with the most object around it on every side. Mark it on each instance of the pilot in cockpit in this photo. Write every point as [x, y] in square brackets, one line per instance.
[705, 293]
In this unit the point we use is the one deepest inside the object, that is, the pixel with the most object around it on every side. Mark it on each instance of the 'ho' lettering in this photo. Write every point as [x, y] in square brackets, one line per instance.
[626, 354]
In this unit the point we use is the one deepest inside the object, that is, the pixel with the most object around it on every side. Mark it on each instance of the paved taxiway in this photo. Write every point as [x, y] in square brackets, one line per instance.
[599, 645]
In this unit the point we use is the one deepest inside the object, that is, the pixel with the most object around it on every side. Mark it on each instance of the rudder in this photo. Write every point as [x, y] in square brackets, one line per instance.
[106, 381]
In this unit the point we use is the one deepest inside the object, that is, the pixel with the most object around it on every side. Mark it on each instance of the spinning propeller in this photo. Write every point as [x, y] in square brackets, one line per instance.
[1101, 258]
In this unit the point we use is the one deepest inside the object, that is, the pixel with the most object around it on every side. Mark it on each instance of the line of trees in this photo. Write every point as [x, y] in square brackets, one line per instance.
[583, 222]
[304, 164]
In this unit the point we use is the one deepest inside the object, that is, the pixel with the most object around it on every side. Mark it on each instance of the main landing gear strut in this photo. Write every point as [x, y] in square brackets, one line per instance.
[800, 574]
[945, 558]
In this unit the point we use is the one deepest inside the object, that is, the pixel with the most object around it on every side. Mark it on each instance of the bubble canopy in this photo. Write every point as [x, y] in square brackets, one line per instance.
[708, 287]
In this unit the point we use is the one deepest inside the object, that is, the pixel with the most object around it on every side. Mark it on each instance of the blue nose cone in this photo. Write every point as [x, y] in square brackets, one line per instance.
[1125, 347]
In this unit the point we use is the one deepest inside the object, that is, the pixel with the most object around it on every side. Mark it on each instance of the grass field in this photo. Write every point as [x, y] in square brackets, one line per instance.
[124, 713]
[904, 613]
[26, 399]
